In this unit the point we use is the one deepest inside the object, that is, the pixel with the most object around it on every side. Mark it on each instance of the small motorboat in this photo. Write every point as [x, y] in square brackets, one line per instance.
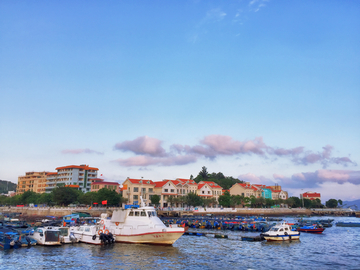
[93, 234]
[48, 236]
[10, 238]
[311, 228]
[281, 232]
[67, 236]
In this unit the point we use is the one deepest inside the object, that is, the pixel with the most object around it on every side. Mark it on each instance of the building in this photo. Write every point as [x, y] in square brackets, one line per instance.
[134, 188]
[246, 190]
[76, 176]
[32, 181]
[98, 184]
[310, 195]
[170, 191]
[215, 189]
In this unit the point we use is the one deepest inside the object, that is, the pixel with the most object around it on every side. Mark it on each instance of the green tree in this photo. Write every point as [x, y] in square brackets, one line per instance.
[193, 199]
[111, 196]
[204, 173]
[171, 200]
[209, 201]
[294, 202]
[155, 200]
[340, 202]
[29, 197]
[88, 198]
[65, 195]
[332, 203]
[46, 198]
[225, 199]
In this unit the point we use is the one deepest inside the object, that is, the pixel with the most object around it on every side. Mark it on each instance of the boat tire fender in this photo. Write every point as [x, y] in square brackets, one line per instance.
[94, 237]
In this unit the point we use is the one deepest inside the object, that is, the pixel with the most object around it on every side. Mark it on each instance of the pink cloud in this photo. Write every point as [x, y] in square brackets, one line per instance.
[81, 151]
[143, 161]
[143, 146]
[214, 146]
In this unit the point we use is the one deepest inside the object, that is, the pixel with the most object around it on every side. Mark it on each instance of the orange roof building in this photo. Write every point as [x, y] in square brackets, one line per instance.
[32, 181]
[311, 195]
[76, 176]
[97, 185]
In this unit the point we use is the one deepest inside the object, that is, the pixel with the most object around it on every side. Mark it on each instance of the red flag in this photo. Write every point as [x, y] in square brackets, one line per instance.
[104, 202]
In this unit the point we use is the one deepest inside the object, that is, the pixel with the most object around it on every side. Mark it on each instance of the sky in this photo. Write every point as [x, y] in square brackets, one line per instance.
[264, 91]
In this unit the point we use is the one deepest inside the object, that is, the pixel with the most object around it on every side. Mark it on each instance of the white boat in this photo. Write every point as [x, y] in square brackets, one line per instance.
[281, 232]
[92, 234]
[67, 236]
[140, 225]
[48, 236]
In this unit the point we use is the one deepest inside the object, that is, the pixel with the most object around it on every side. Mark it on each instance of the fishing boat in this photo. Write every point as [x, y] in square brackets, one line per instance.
[281, 232]
[140, 225]
[47, 236]
[67, 236]
[311, 229]
[93, 234]
[7, 239]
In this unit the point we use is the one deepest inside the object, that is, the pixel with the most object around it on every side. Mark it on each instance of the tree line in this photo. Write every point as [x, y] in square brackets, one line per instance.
[63, 196]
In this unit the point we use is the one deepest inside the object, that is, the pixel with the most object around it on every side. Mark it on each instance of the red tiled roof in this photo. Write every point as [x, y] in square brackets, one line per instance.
[212, 184]
[160, 184]
[143, 181]
[51, 173]
[311, 194]
[187, 181]
[201, 185]
[247, 186]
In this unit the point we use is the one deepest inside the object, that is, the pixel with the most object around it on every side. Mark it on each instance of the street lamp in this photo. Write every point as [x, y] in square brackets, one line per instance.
[302, 197]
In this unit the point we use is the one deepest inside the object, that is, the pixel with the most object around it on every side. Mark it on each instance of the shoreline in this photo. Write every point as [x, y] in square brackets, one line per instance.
[271, 212]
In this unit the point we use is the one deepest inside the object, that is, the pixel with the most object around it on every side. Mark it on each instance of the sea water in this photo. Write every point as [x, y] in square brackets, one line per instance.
[335, 248]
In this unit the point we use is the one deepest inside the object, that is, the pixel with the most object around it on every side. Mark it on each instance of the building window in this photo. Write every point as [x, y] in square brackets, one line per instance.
[136, 189]
[203, 192]
[135, 197]
[172, 190]
[150, 190]
[166, 190]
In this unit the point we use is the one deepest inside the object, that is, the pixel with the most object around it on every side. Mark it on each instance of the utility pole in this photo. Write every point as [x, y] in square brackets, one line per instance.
[302, 197]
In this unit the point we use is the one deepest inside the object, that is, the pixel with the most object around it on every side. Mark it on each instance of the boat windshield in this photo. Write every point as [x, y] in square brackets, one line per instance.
[152, 213]
[275, 229]
[52, 236]
[63, 231]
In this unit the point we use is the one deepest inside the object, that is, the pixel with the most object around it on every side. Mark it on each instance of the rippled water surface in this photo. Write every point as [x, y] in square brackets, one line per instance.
[336, 248]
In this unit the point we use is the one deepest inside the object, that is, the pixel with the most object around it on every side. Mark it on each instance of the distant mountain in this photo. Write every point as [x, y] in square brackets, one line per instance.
[6, 186]
[352, 204]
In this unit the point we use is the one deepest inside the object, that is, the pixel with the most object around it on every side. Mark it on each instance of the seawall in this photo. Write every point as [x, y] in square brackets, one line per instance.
[96, 212]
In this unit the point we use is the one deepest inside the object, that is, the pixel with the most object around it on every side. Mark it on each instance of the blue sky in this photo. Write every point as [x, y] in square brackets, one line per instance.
[267, 91]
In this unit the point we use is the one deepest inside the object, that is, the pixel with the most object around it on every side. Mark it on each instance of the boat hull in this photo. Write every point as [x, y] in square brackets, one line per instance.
[318, 231]
[281, 237]
[153, 238]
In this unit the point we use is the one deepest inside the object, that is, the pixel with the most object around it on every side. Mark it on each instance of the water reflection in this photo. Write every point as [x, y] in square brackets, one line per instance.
[336, 248]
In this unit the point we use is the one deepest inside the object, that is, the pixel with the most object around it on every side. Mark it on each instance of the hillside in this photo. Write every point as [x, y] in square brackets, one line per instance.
[6, 186]
[352, 204]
